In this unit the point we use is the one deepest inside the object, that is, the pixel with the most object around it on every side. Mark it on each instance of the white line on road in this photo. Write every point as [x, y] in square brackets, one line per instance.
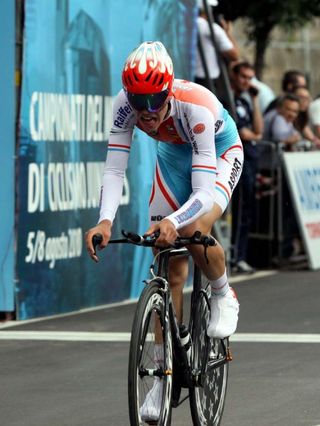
[84, 336]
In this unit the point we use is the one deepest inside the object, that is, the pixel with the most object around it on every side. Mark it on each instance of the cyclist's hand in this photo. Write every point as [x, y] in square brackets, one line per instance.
[168, 232]
[103, 228]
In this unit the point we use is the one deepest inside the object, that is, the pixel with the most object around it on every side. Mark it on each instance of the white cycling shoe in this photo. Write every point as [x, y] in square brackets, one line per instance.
[224, 315]
[150, 409]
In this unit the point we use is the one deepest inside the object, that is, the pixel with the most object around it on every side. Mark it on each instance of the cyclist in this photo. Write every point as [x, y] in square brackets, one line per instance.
[199, 163]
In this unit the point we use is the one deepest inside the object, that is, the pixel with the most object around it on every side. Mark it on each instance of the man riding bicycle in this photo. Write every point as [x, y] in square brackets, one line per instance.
[199, 163]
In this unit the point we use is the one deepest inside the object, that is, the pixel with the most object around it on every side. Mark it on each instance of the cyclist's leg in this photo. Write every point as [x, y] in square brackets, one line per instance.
[223, 302]
[172, 188]
[229, 167]
[178, 274]
[216, 257]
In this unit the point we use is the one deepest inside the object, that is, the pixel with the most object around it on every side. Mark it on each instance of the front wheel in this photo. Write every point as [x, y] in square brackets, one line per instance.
[207, 397]
[144, 369]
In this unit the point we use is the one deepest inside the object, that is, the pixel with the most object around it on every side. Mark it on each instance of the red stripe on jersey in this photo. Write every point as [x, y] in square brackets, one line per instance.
[224, 188]
[229, 149]
[204, 167]
[152, 194]
[164, 191]
[119, 146]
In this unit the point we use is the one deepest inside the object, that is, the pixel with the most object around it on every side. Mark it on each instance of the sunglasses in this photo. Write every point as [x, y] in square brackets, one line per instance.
[149, 102]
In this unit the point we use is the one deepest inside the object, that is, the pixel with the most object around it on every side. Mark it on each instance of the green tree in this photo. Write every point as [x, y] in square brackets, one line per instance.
[262, 16]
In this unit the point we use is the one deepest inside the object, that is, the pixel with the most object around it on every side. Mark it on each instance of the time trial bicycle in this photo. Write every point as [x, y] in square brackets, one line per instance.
[191, 359]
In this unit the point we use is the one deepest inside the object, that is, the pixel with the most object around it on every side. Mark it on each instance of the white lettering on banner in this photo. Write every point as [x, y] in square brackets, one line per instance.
[67, 186]
[64, 118]
[42, 248]
[303, 177]
[308, 182]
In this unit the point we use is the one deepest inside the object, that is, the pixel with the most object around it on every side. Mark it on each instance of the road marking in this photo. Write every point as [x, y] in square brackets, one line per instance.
[86, 336]
[275, 338]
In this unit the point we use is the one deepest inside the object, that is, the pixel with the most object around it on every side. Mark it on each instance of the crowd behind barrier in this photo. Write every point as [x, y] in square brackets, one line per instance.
[267, 127]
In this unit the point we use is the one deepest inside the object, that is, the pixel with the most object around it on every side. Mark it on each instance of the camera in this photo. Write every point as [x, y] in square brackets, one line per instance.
[253, 91]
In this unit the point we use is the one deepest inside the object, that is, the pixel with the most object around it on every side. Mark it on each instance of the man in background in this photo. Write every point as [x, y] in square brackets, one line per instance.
[290, 80]
[250, 128]
[224, 41]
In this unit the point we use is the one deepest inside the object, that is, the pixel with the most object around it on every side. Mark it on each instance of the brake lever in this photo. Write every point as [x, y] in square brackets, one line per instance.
[96, 241]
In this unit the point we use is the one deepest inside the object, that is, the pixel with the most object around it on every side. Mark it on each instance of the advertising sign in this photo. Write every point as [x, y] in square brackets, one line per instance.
[303, 171]
[7, 162]
[73, 56]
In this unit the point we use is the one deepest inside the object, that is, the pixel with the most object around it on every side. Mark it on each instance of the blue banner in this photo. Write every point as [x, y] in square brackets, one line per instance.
[73, 56]
[7, 157]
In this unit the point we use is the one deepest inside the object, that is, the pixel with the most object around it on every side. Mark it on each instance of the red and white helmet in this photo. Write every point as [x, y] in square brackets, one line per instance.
[148, 69]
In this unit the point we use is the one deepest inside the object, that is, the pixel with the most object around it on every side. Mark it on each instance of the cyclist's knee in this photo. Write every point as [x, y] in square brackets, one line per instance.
[178, 272]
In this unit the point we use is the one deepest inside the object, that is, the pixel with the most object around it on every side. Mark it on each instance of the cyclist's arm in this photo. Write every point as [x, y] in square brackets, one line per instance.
[117, 157]
[203, 171]
[114, 171]
[113, 175]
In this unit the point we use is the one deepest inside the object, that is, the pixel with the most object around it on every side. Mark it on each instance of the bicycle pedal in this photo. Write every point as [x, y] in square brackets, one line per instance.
[229, 354]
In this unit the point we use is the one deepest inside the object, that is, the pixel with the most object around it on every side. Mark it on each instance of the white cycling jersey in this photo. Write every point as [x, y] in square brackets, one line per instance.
[188, 178]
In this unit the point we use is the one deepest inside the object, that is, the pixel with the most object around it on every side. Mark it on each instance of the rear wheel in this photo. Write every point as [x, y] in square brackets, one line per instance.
[143, 370]
[207, 397]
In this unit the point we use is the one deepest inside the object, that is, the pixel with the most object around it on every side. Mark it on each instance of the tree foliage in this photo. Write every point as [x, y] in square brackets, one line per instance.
[262, 16]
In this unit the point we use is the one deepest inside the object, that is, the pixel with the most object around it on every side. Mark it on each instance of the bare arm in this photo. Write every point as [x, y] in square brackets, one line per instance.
[247, 134]
[234, 53]
[257, 120]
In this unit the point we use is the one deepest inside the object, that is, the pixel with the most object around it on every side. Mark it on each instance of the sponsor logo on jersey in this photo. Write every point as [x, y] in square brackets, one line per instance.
[190, 212]
[122, 115]
[157, 218]
[171, 130]
[235, 172]
[191, 136]
[199, 128]
[217, 125]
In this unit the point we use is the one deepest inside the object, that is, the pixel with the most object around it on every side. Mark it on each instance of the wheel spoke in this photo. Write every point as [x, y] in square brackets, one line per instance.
[209, 358]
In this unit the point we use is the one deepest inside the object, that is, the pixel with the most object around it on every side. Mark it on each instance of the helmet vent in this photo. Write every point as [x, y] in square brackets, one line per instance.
[148, 76]
[129, 80]
[136, 77]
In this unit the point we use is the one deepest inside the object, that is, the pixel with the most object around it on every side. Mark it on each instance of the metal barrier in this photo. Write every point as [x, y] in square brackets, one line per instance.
[268, 223]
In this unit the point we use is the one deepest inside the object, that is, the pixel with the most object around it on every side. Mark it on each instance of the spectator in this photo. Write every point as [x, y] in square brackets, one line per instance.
[250, 127]
[265, 96]
[314, 112]
[278, 122]
[225, 42]
[301, 123]
[279, 127]
[290, 80]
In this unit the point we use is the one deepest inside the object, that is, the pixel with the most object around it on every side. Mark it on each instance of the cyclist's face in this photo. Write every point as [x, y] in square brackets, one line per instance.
[150, 121]
[242, 80]
[304, 97]
[289, 109]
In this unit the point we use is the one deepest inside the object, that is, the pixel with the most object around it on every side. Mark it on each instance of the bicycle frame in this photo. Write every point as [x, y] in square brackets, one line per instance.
[191, 377]
[162, 276]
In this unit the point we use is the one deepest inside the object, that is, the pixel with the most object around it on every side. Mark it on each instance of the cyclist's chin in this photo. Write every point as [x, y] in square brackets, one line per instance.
[149, 126]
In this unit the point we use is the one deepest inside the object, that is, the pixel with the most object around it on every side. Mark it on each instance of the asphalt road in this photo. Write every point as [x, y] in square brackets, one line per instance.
[53, 378]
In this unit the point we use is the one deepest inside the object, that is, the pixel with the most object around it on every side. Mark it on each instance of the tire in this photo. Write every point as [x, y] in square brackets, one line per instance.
[141, 355]
[207, 397]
